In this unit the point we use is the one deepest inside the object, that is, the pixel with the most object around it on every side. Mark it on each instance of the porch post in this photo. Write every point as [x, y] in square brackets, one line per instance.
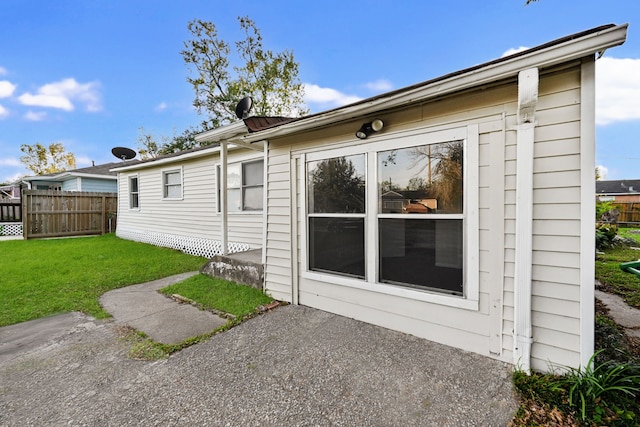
[223, 198]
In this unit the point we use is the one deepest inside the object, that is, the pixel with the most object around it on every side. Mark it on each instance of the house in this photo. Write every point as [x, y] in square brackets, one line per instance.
[10, 192]
[618, 190]
[96, 178]
[501, 264]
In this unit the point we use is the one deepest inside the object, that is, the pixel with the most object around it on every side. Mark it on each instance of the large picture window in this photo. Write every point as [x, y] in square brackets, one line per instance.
[245, 182]
[336, 207]
[415, 238]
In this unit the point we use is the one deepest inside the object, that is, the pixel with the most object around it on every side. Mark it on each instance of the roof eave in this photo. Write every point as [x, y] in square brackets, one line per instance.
[168, 160]
[222, 133]
[553, 55]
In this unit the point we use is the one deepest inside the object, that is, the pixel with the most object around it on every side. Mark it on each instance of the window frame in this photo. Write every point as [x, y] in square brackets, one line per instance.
[241, 188]
[132, 193]
[470, 136]
[165, 185]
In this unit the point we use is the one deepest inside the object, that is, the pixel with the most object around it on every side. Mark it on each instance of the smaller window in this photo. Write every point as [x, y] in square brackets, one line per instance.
[134, 198]
[172, 181]
[244, 186]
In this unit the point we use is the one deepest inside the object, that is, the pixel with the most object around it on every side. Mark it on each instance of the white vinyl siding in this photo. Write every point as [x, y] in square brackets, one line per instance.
[194, 215]
[556, 231]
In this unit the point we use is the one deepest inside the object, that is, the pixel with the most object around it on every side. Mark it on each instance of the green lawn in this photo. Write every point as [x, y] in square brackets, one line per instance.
[219, 294]
[43, 277]
[608, 270]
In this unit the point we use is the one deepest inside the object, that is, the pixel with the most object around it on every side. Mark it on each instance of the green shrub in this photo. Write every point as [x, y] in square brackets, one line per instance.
[603, 207]
[605, 235]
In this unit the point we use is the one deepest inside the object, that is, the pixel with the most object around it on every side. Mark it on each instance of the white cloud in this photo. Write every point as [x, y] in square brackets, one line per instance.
[13, 178]
[514, 50]
[3, 112]
[617, 90]
[6, 88]
[61, 94]
[10, 161]
[35, 116]
[380, 85]
[162, 106]
[3, 71]
[602, 171]
[327, 97]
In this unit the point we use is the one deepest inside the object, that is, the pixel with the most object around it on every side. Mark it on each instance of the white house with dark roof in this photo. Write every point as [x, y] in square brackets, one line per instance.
[501, 265]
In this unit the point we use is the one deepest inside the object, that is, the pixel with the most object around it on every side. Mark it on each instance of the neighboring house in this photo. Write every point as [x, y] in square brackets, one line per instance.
[618, 191]
[10, 191]
[503, 264]
[93, 179]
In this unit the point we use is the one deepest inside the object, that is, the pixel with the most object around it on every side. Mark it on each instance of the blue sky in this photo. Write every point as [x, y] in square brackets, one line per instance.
[90, 73]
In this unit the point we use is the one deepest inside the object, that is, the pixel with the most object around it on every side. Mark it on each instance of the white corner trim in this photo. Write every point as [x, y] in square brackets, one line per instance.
[587, 208]
[527, 98]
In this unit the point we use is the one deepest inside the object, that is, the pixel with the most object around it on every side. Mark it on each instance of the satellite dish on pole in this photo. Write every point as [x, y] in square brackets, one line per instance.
[243, 107]
[123, 153]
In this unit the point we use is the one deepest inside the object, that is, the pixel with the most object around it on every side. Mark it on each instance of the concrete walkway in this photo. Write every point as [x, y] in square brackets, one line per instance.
[624, 315]
[294, 366]
[163, 319]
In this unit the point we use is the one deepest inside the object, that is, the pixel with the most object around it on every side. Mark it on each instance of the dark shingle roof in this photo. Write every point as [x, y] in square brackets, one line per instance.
[625, 186]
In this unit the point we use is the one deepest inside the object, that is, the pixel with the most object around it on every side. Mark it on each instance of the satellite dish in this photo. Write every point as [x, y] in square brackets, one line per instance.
[243, 107]
[123, 153]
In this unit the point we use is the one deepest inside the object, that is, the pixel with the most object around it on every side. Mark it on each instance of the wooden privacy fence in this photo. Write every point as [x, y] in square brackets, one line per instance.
[48, 213]
[10, 211]
[629, 213]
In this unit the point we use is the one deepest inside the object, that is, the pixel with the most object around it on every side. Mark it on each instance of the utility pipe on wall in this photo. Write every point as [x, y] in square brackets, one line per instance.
[528, 81]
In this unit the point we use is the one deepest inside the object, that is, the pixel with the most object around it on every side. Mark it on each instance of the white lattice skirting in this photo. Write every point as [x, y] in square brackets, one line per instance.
[190, 245]
[10, 229]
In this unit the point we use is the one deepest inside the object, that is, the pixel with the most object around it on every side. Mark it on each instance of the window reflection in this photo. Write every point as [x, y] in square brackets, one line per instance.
[423, 253]
[421, 180]
[336, 185]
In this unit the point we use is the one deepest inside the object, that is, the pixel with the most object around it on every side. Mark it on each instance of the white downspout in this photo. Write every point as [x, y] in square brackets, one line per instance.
[265, 192]
[527, 99]
[224, 232]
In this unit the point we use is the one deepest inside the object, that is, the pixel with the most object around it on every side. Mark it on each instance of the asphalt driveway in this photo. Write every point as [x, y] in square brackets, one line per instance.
[294, 366]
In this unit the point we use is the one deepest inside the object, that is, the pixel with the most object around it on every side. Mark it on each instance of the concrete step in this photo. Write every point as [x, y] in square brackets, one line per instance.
[242, 267]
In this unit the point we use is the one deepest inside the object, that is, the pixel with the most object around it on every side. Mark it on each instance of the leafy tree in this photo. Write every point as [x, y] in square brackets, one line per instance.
[271, 79]
[446, 163]
[417, 183]
[150, 146]
[337, 187]
[43, 160]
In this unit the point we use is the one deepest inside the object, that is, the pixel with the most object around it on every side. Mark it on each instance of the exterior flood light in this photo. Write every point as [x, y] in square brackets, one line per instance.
[369, 128]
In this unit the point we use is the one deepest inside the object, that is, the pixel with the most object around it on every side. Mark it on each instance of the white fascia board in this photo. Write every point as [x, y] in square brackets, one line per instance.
[86, 175]
[168, 160]
[179, 158]
[550, 56]
[222, 133]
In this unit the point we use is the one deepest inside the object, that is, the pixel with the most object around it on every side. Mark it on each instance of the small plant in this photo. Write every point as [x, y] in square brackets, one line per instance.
[604, 392]
[598, 394]
[605, 235]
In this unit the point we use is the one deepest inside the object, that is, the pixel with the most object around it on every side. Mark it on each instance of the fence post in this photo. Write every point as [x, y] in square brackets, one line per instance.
[104, 214]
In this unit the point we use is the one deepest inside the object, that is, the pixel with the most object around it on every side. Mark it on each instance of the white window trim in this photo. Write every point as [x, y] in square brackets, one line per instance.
[168, 171]
[241, 163]
[136, 176]
[471, 290]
